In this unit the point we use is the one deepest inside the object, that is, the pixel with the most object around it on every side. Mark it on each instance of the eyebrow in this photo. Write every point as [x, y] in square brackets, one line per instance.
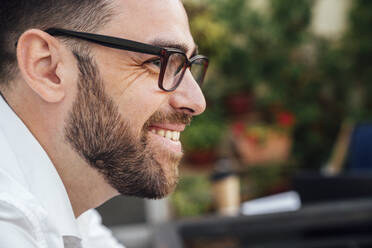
[170, 44]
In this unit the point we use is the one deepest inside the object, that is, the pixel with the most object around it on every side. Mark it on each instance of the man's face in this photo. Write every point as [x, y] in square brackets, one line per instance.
[121, 122]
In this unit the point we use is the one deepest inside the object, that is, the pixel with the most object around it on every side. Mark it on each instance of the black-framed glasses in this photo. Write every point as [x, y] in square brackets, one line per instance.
[171, 64]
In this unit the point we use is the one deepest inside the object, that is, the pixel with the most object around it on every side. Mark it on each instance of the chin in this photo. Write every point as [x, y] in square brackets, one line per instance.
[155, 177]
[170, 169]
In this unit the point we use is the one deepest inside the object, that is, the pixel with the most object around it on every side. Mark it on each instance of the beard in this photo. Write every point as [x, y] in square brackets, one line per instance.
[104, 139]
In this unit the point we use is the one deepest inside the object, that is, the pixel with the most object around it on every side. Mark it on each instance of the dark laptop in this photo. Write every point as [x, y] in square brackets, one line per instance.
[317, 188]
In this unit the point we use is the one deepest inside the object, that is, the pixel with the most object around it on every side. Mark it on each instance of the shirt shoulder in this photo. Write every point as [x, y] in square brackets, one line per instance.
[22, 219]
[19, 227]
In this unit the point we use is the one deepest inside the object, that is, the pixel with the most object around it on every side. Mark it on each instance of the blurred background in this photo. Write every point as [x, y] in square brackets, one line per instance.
[289, 110]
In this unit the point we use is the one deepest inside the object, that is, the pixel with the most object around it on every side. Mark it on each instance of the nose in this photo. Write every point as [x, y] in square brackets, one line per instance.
[188, 97]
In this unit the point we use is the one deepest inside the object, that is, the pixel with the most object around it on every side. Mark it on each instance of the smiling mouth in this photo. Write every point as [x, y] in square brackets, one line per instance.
[168, 134]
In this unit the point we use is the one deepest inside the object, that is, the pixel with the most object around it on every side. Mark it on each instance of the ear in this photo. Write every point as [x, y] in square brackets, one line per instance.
[39, 55]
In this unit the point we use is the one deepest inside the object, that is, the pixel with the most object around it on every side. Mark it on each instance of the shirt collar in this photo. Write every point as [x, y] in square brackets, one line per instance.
[41, 177]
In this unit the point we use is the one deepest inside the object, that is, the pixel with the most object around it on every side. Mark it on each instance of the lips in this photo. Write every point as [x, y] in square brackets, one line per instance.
[165, 138]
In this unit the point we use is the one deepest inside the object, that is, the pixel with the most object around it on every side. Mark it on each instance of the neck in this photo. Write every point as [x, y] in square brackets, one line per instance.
[85, 186]
[1, 95]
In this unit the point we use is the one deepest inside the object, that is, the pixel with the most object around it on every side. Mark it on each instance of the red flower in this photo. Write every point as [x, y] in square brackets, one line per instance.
[285, 119]
[238, 128]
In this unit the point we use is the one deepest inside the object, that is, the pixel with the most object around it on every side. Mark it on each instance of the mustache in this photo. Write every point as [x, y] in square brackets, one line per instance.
[174, 118]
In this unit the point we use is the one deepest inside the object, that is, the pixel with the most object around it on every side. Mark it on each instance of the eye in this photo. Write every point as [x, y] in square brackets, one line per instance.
[153, 65]
[154, 61]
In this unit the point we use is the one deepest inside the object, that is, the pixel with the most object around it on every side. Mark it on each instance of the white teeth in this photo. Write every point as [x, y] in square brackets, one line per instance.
[172, 135]
[161, 132]
[168, 134]
[176, 136]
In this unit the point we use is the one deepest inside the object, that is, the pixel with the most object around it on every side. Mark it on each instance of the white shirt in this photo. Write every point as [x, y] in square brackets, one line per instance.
[35, 210]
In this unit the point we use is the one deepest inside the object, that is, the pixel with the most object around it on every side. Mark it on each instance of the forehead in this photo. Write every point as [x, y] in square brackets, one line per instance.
[151, 20]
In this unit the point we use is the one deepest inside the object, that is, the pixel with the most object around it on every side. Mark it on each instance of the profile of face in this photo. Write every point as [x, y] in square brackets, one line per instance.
[121, 122]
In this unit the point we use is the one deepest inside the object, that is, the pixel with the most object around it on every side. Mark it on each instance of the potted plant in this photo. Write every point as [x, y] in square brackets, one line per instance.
[263, 143]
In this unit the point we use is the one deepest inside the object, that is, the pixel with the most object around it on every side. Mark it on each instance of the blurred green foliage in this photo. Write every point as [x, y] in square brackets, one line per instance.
[274, 56]
[205, 133]
[194, 198]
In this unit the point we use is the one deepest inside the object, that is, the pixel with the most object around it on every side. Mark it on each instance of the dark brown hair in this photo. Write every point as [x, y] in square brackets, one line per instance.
[17, 16]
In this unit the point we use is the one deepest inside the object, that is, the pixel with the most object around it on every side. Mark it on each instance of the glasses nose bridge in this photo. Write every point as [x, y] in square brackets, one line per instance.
[188, 63]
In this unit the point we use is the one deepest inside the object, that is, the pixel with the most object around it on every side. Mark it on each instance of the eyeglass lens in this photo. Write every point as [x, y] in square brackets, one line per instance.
[198, 70]
[173, 70]
[176, 67]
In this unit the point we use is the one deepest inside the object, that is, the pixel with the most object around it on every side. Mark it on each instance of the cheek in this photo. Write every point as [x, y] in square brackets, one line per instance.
[140, 99]
[135, 91]
[139, 103]
[135, 79]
